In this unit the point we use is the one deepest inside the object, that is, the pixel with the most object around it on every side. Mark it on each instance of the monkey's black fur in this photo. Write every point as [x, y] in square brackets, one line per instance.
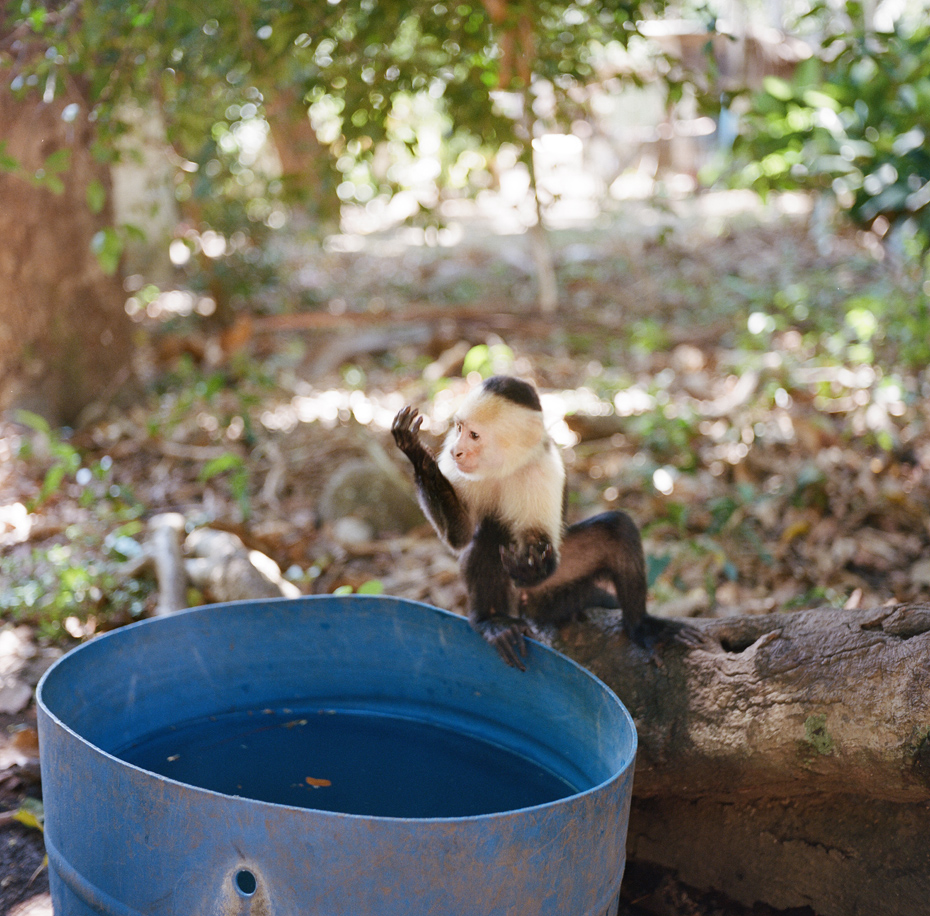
[513, 389]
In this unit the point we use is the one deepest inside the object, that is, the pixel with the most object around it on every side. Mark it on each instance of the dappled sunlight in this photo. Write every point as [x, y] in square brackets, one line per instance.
[15, 524]
[332, 407]
[16, 521]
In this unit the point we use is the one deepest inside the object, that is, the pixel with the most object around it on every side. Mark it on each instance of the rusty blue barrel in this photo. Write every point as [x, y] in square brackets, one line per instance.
[330, 756]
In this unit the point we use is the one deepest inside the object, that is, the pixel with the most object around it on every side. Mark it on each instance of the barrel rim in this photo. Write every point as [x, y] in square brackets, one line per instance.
[619, 775]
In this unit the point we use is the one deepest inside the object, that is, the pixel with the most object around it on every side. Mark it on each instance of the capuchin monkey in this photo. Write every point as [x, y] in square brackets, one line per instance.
[497, 497]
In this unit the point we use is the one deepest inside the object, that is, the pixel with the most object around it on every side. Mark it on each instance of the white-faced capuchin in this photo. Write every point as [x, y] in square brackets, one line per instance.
[497, 497]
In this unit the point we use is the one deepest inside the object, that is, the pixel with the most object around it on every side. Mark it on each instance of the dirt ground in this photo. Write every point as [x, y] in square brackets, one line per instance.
[23, 875]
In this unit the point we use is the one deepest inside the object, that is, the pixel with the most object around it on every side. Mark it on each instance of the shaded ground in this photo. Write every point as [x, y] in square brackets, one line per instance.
[23, 876]
[751, 391]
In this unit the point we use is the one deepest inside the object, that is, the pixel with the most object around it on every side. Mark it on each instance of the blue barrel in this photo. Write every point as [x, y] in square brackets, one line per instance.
[329, 757]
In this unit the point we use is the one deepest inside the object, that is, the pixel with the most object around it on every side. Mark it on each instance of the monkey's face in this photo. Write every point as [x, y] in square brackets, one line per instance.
[494, 436]
[473, 450]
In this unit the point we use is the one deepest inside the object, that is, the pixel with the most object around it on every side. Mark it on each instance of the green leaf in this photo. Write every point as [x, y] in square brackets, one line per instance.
[37, 18]
[133, 232]
[220, 465]
[54, 184]
[96, 196]
[53, 480]
[8, 163]
[818, 99]
[862, 320]
[108, 247]
[57, 162]
[33, 421]
[778, 88]
[808, 72]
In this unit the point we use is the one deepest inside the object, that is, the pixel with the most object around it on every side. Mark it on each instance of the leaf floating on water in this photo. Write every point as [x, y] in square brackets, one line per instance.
[294, 722]
[317, 783]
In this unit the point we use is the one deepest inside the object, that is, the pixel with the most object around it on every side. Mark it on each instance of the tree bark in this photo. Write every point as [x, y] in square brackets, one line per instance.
[787, 761]
[65, 338]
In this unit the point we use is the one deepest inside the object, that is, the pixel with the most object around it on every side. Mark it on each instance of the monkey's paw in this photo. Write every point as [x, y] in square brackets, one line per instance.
[405, 429]
[506, 634]
[530, 563]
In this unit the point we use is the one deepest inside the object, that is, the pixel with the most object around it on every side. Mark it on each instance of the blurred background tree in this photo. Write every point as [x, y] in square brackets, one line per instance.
[852, 123]
[388, 103]
[222, 124]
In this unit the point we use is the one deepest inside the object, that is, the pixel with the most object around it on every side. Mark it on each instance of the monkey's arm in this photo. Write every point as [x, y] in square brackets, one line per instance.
[437, 497]
[490, 594]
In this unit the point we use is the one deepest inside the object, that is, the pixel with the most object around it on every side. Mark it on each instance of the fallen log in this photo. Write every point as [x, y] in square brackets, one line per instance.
[787, 760]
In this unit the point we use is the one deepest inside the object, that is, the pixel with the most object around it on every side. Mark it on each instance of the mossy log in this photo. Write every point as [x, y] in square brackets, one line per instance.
[787, 760]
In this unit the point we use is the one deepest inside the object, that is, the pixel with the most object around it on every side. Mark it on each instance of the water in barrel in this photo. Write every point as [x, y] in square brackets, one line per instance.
[352, 762]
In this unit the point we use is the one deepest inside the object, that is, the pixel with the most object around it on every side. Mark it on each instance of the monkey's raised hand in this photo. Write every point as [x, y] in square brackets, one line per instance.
[506, 634]
[406, 429]
[531, 562]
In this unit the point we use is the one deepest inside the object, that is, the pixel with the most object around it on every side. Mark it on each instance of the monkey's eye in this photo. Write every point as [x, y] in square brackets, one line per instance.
[474, 435]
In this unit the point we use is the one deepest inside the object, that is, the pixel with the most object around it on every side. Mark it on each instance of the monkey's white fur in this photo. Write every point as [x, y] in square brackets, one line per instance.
[520, 476]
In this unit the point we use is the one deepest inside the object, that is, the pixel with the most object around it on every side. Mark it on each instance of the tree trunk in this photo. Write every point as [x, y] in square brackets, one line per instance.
[787, 761]
[65, 338]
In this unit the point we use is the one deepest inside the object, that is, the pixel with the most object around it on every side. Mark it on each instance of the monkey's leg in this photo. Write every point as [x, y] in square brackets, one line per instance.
[490, 594]
[600, 550]
[604, 549]
[625, 564]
